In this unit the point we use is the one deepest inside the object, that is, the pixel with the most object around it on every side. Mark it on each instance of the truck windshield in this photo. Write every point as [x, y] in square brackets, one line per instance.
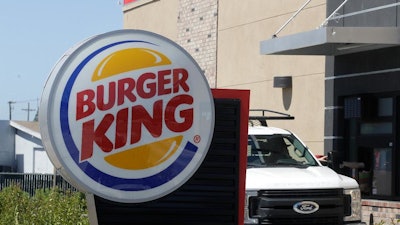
[277, 150]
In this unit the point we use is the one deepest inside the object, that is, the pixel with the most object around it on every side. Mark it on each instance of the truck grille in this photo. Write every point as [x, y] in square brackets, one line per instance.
[276, 207]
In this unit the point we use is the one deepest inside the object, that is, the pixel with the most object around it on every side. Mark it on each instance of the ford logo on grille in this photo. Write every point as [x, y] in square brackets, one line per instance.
[305, 207]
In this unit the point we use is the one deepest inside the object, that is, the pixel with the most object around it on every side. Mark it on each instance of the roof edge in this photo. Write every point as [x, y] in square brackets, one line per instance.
[332, 41]
[25, 129]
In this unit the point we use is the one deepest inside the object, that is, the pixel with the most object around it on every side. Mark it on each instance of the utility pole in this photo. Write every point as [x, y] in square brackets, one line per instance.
[28, 110]
[10, 108]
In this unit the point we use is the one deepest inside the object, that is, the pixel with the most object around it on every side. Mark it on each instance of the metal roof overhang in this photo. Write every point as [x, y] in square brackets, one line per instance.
[331, 41]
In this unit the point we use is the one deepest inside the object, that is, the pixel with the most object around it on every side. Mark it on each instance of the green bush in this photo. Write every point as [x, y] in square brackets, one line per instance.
[46, 207]
[392, 222]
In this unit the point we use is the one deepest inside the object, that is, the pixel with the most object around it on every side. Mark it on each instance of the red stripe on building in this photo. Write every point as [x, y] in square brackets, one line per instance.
[129, 1]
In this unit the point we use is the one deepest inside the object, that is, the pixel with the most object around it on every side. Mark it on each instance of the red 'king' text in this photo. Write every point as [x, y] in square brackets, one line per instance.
[146, 86]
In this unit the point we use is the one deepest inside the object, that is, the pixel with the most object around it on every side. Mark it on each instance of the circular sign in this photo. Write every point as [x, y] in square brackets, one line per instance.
[127, 115]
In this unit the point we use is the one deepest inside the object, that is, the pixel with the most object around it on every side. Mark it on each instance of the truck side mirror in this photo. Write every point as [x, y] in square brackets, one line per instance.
[330, 159]
[334, 160]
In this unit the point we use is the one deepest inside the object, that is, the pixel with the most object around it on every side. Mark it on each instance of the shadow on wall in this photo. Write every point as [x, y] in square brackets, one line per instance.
[287, 94]
[285, 82]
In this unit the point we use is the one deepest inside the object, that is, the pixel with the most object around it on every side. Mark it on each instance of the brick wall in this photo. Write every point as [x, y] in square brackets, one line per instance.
[197, 33]
[381, 210]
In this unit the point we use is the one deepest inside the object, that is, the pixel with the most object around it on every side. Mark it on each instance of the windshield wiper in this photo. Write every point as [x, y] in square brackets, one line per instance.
[254, 165]
[291, 163]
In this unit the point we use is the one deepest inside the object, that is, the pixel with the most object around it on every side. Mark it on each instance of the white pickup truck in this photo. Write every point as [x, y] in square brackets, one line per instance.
[286, 184]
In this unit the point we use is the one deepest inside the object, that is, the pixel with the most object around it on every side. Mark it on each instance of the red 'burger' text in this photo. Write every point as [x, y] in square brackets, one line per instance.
[128, 121]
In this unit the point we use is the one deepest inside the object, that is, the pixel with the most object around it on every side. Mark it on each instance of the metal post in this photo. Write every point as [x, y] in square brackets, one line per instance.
[28, 110]
[10, 109]
[290, 19]
[333, 13]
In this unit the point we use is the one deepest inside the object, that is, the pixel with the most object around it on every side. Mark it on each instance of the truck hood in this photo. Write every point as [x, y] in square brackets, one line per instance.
[313, 177]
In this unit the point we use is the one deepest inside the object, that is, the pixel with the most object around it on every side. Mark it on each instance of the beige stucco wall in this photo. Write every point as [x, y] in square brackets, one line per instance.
[241, 27]
[236, 28]
[155, 16]
[190, 23]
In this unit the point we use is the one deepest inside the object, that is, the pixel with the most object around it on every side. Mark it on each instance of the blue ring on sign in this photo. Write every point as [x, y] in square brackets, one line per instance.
[123, 184]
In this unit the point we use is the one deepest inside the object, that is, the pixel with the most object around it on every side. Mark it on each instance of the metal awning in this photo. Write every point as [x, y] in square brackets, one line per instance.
[332, 41]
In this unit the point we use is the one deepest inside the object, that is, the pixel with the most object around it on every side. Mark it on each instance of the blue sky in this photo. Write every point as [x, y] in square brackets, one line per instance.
[35, 34]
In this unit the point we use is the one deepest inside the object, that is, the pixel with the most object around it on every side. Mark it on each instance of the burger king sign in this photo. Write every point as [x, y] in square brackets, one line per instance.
[127, 115]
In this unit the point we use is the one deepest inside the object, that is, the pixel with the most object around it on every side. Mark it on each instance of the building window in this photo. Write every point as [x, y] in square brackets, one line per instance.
[371, 131]
[382, 172]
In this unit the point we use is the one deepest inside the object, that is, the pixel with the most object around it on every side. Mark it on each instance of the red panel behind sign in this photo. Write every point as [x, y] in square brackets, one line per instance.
[129, 1]
[243, 96]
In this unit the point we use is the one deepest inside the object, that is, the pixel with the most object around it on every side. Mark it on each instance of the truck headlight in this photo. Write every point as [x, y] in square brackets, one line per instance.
[355, 204]
[247, 219]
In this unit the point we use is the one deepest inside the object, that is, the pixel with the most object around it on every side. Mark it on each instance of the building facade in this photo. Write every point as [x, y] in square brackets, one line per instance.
[364, 88]
[360, 40]
[342, 58]
[224, 38]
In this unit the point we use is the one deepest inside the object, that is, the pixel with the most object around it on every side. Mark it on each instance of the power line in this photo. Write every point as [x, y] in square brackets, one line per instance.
[28, 100]
[28, 110]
